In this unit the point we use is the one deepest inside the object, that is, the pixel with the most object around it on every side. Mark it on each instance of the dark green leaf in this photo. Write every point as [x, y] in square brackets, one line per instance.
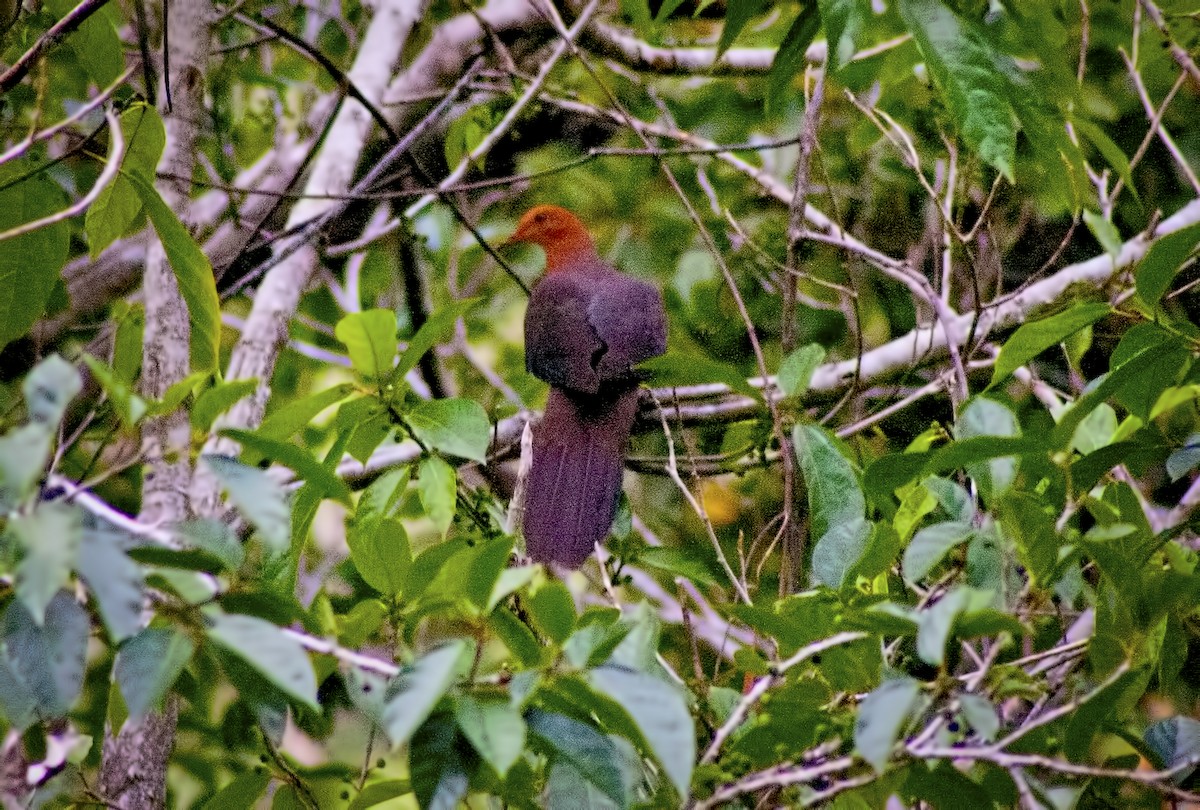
[119, 204]
[274, 655]
[881, 717]
[737, 15]
[1031, 339]
[216, 539]
[30, 263]
[283, 423]
[987, 417]
[457, 427]
[590, 753]
[659, 712]
[834, 496]
[1104, 230]
[675, 369]
[18, 704]
[95, 43]
[494, 728]
[1163, 260]
[980, 715]
[437, 765]
[194, 273]
[114, 580]
[148, 665]
[370, 337]
[553, 610]
[790, 58]
[242, 793]
[1108, 149]
[128, 405]
[49, 659]
[1185, 459]
[843, 20]
[416, 691]
[380, 792]
[516, 636]
[49, 540]
[260, 498]
[936, 622]
[218, 399]
[837, 551]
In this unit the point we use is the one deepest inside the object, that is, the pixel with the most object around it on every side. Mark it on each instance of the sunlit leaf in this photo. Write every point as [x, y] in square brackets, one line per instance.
[457, 427]
[370, 338]
[277, 657]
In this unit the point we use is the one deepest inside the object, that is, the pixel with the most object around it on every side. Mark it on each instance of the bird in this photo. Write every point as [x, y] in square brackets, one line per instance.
[587, 327]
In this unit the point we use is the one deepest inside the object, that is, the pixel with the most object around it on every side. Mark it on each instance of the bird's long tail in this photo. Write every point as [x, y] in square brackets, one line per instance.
[578, 461]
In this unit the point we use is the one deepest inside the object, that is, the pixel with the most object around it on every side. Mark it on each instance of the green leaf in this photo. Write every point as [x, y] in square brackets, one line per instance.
[1104, 230]
[457, 427]
[1153, 367]
[975, 79]
[49, 657]
[552, 610]
[843, 20]
[1185, 459]
[95, 43]
[148, 665]
[516, 636]
[29, 264]
[218, 399]
[980, 715]
[370, 338]
[415, 692]
[49, 542]
[834, 496]
[930, 545]
[661, 715]
[509, 582]
[1162, 261]
[128, 405]
[796, 371]
[675, 369]
[433, 331]
[585, 749]
[380, 792]
[382, 497]
[1111, 153]
[381, 553]
[494, 727]
[194, 273]
[24, 452]
[987, 417]
[790, 60]
[882, 715]
[1031, 339]
[127, 344]
[838, 550]
[283, 423]
[437, 765]
[438, 489]
[737, 15]
[258, 497]
[301, 462]
[1031, 527]
[667, 8]
[935, 624]
[113, 579]
[18, 705]
[275, 656]
[214, 538]
[242, 793]
[118, 205]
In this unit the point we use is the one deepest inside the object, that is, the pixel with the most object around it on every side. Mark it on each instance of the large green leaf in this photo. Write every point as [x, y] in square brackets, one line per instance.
[838, 550]
[415, 692]
[987, 417]
[586, 750]
[457, 427]
[242, 793]
[370, 337]
[936, 622]
[218, 399]
[307, 468]
[193, 272]
[973, 77]
[737, 15]
[381, 553]
[148, 665]
[283, 423]
[277, 657]
[834, 496]
[114, 580]
[260, 498]
[49, 540]
[843, 20]
[796, 370]
[30, 263]
[789, 59]
[881, 717]
[49, 657]
[1163, 260]
[439, 770]
[679, 369]
[436, 329]
[118, 204]
[95, 43]
[494, 727]
[930, 545]
[661, 715]
[1033, 338]
[436, 484]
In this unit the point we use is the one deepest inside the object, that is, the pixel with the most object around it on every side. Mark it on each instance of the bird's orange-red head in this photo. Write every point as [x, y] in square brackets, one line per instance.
[556, 231]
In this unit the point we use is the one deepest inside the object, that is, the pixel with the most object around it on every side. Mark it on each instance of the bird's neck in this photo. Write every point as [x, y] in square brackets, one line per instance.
[570, 252]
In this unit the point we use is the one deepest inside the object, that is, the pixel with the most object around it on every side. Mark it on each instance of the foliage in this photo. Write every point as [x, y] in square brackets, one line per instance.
[970, 425]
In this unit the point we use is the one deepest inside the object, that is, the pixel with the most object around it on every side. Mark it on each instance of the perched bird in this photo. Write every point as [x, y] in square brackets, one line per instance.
[586, 327]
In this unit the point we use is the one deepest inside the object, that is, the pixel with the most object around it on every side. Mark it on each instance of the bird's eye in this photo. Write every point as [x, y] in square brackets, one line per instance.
[539, 218]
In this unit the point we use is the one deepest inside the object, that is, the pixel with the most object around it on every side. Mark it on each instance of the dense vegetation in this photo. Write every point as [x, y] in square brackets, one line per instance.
[912, 501]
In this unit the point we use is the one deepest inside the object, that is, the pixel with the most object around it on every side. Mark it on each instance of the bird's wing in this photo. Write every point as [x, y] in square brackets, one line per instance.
[628, 316]
[561, 342]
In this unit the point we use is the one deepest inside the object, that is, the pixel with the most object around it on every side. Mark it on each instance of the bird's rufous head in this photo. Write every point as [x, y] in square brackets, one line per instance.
[558, 232]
